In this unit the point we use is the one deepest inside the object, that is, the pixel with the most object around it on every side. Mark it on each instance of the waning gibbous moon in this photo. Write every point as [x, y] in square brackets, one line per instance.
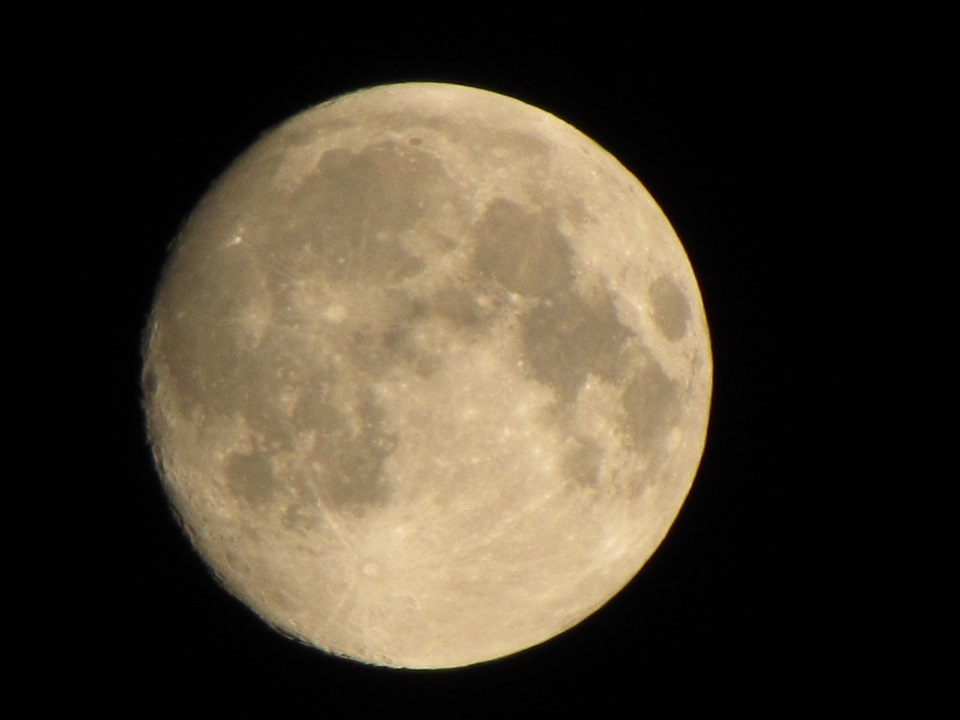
[427, 376]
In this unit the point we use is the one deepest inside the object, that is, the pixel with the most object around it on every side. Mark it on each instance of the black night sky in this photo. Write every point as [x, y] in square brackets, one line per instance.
[806, 160]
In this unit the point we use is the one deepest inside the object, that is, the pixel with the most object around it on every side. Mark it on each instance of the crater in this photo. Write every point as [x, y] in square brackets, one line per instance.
[671, 310]
[524, 251]
[149, 382]
[250, 477]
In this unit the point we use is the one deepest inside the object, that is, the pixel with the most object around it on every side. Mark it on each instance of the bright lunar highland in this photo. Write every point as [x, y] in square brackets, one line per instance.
[427, 376]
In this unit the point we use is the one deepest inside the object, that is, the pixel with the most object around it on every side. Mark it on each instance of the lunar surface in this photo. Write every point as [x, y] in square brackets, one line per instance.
[427, 376]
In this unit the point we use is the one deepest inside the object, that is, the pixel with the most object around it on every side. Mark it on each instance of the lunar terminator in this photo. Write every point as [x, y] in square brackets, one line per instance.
[427, 376]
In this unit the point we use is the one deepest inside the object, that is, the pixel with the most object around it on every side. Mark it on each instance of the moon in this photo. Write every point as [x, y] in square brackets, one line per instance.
[427, 376]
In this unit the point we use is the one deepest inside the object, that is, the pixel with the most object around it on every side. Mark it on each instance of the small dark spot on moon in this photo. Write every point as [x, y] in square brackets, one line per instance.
[149, 383]
[394, 338]
[577, 213]
[459, 306]
[582, 461]
[415, 141]
[235, 562]
[426, 367]
[671, 310]
[408, 266]
[299, 137]
[250, 477]
[373, 353]
[395, 346]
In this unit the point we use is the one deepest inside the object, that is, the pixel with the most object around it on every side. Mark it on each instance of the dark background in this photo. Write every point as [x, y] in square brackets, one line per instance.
[806, 159]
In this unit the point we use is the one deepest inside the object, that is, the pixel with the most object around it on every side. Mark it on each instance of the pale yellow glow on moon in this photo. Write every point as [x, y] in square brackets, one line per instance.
[427, 376]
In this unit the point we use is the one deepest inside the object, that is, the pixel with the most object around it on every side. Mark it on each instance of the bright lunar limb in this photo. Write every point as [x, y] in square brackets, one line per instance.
[427, 376]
